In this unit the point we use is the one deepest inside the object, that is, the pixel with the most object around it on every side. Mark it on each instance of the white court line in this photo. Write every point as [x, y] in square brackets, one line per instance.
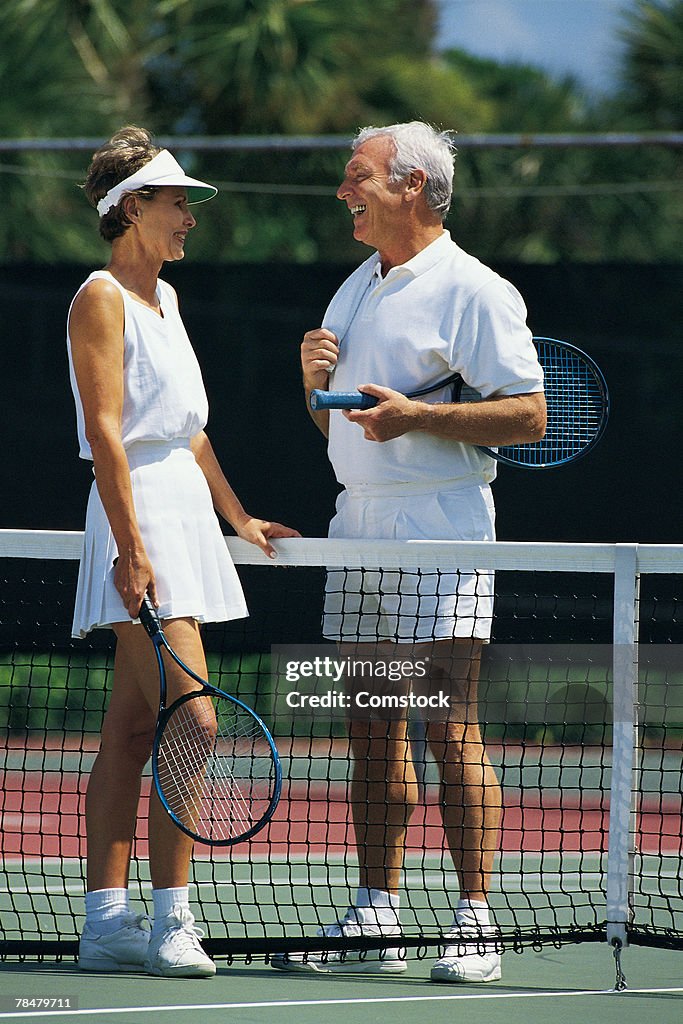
[551, 882]
[372, 1001]
[78, 889]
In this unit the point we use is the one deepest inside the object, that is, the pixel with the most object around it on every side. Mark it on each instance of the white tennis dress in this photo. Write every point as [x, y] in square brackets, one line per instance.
[164, 406]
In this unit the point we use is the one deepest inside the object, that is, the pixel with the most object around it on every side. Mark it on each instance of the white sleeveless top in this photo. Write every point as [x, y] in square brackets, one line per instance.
[164, 396]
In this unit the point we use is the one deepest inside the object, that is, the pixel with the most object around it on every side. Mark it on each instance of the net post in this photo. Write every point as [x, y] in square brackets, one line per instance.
[623, 789]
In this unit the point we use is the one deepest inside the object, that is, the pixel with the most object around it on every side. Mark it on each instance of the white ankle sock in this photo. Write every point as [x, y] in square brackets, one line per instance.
[104, 909]
[385, 904]
[472, 912]
[164, 902]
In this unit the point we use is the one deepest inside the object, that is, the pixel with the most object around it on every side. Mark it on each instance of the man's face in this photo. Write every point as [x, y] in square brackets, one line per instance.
[375, 203]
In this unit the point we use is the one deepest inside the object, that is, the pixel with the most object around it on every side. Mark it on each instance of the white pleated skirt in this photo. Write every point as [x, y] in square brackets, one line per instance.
[194, 573]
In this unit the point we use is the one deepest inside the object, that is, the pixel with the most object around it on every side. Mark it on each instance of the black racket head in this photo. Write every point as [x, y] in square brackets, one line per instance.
[216, 768]
[577, 400]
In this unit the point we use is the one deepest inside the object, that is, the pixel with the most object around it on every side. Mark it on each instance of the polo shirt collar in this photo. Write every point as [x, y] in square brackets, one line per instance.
[422, 261]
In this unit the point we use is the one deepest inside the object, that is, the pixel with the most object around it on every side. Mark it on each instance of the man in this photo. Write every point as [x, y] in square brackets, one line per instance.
[417, 310]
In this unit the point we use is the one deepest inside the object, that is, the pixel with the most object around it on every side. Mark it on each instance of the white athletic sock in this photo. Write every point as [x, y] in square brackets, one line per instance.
[472, 912]
[164, 902]
[385, 904]
[104, 909]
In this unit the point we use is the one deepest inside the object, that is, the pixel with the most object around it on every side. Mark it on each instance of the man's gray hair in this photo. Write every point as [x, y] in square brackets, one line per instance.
[419, 146]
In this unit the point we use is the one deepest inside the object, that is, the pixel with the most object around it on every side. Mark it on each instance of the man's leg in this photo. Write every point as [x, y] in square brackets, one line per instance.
[383, 798]
[470, 807]
[470, 791]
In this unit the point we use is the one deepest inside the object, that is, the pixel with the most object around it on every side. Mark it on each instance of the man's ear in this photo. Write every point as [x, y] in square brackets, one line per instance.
[416, 181]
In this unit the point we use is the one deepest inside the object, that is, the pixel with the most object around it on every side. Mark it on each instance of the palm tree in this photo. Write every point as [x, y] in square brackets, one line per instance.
[288, 65]
[653, 63]
[84, 67]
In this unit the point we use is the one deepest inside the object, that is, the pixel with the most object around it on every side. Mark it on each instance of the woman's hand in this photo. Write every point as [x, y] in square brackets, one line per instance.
[259, 531]
[133, 578]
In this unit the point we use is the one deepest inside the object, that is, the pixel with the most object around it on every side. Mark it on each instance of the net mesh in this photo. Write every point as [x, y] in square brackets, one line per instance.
[547, 714]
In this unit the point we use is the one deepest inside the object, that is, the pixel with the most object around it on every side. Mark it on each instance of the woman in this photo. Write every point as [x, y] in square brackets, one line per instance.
[150, 527]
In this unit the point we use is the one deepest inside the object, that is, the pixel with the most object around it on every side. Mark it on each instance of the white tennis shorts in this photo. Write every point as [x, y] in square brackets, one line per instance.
[362, 606]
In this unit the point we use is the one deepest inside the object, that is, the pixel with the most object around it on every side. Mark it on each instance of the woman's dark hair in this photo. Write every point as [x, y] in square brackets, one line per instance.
[125, 153]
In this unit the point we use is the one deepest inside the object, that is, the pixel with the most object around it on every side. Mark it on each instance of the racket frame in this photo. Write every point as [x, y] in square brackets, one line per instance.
[150, 620]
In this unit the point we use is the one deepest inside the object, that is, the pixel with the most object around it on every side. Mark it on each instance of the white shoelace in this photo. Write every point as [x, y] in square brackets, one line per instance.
[181, 931]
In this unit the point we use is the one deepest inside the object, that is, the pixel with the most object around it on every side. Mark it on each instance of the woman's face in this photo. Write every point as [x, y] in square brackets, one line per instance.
[164, 222]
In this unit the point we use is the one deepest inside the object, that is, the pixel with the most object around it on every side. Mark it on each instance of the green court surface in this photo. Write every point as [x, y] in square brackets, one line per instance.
[574, 983]
[571, 984]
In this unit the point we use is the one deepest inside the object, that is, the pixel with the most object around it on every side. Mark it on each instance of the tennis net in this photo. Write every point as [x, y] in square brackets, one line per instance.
[580, 704]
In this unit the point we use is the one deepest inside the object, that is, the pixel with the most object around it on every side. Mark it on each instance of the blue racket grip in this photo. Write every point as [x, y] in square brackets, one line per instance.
[340, 400]
[149, 618]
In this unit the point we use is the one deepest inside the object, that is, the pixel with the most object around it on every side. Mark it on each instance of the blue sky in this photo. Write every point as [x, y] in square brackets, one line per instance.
[561, 36]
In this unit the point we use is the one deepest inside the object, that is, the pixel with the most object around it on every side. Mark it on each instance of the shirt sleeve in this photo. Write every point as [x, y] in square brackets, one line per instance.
[493, 348]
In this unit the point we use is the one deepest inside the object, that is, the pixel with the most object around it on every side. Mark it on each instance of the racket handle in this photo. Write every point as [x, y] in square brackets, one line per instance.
[149, 618]
[340, 400]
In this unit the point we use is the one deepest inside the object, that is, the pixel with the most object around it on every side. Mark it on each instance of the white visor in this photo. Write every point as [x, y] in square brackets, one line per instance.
[163, 169]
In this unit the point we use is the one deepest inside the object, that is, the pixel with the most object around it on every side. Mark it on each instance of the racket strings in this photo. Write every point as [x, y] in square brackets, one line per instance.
[215, 770]
[187, 743]
[185, 764]
[575, 408]
[189, 778]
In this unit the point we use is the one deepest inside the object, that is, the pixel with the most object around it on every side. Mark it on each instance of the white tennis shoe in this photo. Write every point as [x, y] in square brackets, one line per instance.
[177, 952]
[357, 921]
[471, 959]
[122, 950]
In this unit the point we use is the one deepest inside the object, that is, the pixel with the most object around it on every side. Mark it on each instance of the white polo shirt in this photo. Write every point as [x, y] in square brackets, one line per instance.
[442, 311]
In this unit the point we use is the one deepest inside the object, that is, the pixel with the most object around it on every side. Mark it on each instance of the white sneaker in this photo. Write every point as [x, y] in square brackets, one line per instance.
[357, 921]
[176, 952]
[473, 958]
[122, 950]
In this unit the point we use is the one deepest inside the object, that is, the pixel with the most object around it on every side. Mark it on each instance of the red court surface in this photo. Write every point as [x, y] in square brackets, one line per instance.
[46, 816]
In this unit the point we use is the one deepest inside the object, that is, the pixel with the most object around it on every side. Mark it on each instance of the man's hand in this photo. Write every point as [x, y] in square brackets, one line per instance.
[495, 421]
[393, 416]
[319, 354]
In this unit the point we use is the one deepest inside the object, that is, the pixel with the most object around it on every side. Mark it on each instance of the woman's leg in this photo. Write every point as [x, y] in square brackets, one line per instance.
[127, 734]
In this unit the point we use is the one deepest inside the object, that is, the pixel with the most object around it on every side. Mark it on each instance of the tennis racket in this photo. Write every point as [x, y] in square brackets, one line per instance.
[576, 397]
[215, 765]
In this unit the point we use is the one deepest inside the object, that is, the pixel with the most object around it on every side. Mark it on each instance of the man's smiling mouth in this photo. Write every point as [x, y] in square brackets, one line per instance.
[356, 210]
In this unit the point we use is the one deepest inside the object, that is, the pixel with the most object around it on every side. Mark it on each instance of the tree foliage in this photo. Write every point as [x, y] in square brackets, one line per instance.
[234, 67]
[652, 72]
